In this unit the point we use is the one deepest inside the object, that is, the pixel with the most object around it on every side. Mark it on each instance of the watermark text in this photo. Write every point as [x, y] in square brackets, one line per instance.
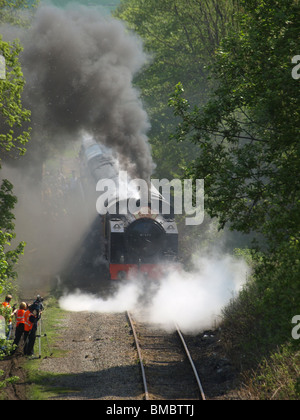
[296, 329]
[296, 69]
[134, 197]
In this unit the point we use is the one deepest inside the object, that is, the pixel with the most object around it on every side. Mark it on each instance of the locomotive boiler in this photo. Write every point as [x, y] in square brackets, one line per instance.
[141, 241]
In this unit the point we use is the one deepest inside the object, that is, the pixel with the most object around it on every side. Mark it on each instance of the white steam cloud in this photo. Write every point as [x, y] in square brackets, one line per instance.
[193, 299]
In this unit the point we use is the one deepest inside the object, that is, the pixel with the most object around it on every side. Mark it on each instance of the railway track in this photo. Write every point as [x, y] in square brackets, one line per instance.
[167, 368]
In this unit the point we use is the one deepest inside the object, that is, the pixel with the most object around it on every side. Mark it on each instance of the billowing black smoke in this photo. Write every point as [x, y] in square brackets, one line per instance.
[79, 68]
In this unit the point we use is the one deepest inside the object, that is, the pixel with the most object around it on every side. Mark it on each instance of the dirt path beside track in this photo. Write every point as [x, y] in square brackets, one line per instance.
[100, 360]
[95, 359]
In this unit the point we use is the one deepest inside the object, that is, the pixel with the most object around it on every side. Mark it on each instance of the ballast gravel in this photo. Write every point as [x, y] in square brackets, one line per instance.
[97, 361]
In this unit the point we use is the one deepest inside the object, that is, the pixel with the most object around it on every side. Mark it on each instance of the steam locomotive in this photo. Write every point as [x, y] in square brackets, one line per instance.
[139, 242]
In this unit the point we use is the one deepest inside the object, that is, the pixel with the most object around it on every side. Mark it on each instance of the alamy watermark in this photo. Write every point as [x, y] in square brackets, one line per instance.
[135, 195]
[2, 68]
[296, 329]
[296, 69]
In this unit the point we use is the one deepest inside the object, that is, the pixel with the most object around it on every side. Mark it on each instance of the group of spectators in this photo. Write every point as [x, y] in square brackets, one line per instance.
[26, 322]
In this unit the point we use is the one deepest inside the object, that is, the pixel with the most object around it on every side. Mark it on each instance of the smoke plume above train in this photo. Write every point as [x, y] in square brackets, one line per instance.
[79, 68]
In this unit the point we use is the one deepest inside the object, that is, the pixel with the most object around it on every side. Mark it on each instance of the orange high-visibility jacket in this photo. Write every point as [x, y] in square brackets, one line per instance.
[27, 324]
[20, 317]
[7, 305]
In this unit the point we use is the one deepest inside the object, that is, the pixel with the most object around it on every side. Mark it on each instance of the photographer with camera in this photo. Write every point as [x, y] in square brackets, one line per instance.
[38, 305]
[35, 312]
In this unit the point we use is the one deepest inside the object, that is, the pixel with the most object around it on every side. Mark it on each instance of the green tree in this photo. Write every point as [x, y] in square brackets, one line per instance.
[181, 37]
[248, 132]
[8, 257]
[14, 134]
[248, 135]
[17, 12]
[13, 116]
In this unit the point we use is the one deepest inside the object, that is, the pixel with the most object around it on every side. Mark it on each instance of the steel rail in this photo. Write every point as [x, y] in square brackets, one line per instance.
[191, 362]
[142, 365]
[140, 356]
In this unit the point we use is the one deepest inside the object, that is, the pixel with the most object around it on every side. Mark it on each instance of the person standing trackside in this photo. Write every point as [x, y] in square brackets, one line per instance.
[7, 305]
[36, 310]
[30, 319]
[7, 301]
[20, 323]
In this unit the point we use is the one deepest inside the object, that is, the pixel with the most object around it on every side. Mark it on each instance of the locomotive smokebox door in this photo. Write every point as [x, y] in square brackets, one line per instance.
[145, 240]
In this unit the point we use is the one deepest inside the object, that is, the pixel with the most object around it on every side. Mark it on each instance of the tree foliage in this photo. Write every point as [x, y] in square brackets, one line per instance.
[180, 38]
[248, 131]
[249, 156]
[13, 116]
[17, 12]
[14, 134]
[8, 257]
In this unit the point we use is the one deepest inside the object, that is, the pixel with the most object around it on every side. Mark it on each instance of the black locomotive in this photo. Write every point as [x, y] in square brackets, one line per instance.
[134, 242]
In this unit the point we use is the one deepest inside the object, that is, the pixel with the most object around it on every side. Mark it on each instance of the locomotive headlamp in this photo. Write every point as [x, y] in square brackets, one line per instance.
[117, 226]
